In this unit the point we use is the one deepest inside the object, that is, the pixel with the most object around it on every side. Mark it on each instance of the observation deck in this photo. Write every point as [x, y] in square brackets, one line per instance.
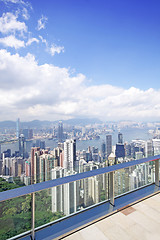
[116, 202]
[139, 221]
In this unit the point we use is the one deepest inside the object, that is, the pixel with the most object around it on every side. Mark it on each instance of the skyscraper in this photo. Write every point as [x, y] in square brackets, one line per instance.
[120, 138]
[108, 144]
[28, 133]
[18, 128]
[33, 164]
[71, 196]
[69, 154]
[60, 131]
[148, 148]
[22, 146]
[103, 150]
[120, 151]
[57, 192]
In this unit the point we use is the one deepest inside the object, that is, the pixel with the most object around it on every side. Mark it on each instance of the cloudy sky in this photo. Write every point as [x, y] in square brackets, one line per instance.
[61, 59]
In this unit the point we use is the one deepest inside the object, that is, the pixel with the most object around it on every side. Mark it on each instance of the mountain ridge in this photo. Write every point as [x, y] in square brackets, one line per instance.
[46, 123]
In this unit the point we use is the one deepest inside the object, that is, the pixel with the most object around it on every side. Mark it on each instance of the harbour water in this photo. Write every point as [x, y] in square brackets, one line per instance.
[129, 134]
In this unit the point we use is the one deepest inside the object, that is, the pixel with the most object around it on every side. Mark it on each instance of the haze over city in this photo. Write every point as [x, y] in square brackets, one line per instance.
[66, 59]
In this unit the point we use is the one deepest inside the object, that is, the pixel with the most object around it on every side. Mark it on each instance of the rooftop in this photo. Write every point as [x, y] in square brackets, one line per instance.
[139, 221]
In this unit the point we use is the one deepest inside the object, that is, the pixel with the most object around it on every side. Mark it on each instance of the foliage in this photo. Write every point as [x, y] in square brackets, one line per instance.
[15, 214]
[103, 195]
[18, 182]
[4, 185]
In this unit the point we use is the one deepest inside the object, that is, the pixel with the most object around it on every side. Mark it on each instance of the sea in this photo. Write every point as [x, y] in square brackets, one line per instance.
[129, 134]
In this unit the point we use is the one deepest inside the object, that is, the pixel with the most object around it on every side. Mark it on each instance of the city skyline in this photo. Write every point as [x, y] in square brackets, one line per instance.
[63, 59]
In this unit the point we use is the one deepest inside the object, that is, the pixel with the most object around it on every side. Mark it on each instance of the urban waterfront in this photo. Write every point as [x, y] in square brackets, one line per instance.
[129, 134]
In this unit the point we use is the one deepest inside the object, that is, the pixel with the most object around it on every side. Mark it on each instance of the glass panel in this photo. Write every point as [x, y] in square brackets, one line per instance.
[10, 182]
[69, 198]
[131, 178]
[121, 181]
[15, 217]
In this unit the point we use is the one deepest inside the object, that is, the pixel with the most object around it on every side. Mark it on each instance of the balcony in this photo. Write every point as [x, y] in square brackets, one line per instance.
[59, 207]
[139, 221]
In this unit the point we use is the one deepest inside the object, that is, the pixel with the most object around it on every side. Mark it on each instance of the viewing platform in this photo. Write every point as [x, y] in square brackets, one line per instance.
[139, 221]
[117, 202]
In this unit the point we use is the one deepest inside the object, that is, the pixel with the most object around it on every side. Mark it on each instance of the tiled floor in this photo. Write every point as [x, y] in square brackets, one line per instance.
[141, 221]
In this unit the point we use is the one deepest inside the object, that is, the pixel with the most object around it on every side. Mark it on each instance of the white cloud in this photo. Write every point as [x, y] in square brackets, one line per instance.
[11, 41]
[11, 1]
[25, 13]
[21, 2]
[55, 49]
[42, 23]
[9, 23]
[31, 40]
[22, 7]
[30, 90]
[43, 40]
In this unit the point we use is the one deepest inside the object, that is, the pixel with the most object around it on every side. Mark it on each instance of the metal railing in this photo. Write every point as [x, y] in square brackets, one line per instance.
[32, 189]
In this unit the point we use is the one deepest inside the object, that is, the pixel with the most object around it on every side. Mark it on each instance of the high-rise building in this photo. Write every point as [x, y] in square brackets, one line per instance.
[61, 158]
[60, 131]
[156, 146]
[148, 148]
[69, 154]
[65, 198]
[57, 192]
[1, 166]
[18, 128]
[138, 155]
[111, 159]
[90, 187]
[33, 165]
[108, 144]
[22, 146]
[19, 170]
[7, 153]
[7, 165]
[127, 150]
[103, 150]
[71, 196]
[14, 168]
[28, 133]
[120, 138]
[27, 168]
[25, 133]
[120, 151]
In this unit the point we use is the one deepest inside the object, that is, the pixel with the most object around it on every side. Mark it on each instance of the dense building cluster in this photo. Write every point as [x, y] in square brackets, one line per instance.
[43, 164]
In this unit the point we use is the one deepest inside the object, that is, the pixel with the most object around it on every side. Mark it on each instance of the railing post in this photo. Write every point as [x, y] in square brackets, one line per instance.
[111, 187]
[157, 172]
[33, 214]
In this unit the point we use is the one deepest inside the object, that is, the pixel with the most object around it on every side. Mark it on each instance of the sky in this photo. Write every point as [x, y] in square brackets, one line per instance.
[65, 59]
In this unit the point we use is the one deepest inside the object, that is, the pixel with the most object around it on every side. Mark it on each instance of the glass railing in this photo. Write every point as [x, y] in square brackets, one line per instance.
[47, 175]
[132, 178]
[69, 198]
[15, 216]
[30, 207]
[23, 180]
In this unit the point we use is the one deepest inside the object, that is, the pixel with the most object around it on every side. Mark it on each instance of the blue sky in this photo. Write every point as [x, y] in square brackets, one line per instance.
[107, 49]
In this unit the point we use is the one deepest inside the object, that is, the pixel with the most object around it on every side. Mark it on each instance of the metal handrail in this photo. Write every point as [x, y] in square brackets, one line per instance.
[6, 195]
